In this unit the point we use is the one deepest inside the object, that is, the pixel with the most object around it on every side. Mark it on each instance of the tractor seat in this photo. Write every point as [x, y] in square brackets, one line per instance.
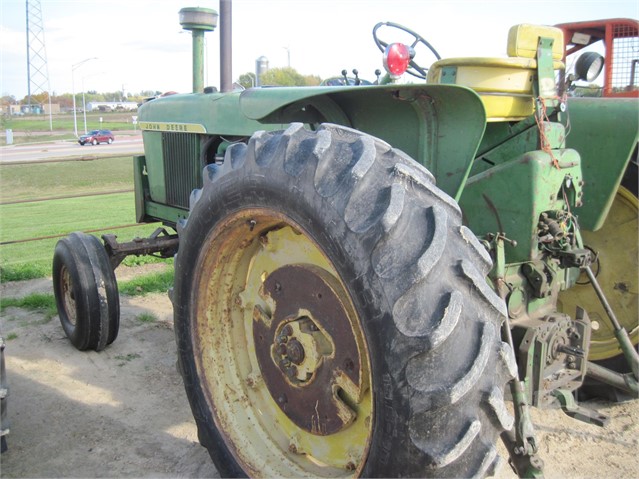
[505, 85]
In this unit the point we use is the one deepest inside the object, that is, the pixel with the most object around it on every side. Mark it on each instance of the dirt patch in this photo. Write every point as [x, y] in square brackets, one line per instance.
[123, 412]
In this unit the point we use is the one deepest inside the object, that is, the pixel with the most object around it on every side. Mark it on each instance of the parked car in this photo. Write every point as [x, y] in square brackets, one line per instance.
[95, 137]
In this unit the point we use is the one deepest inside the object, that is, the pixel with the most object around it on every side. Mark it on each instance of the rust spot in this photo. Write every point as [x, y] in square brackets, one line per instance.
[623, 287]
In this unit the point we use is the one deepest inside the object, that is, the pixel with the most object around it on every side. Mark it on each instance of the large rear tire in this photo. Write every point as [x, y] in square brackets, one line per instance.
[332, 315]
[86, 292]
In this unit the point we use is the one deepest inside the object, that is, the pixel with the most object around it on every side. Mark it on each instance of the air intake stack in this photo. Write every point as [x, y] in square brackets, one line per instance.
[198, 21]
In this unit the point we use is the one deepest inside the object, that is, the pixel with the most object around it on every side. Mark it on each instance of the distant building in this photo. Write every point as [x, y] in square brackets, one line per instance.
[36, 109]
[112, 106]
[55, 108]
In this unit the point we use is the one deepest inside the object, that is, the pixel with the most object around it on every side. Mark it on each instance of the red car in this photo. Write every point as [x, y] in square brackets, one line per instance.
[97, 136]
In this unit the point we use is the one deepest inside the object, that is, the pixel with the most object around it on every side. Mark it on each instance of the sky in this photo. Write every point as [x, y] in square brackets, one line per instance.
[139, 45]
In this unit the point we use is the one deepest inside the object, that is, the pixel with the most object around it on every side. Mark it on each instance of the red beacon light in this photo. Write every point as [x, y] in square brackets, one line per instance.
[397, 57]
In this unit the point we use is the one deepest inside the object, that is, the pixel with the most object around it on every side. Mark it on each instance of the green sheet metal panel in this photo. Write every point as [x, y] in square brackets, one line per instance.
[605, 132]
[510, 198]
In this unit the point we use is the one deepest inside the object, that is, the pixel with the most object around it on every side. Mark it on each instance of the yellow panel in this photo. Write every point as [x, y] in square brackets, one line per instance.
[507, 107]
[523, 40]
[496, 79]
[504, 84]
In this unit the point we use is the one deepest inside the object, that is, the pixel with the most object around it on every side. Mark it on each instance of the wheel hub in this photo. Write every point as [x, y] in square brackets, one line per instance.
[306, 349]
[68, 297]
[299, 350]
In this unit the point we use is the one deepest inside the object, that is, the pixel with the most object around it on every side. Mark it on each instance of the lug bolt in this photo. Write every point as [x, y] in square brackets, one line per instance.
[287, 330]
[350, 466]
[348, 364]
[282, 399]
[291, 371]
[295, 351]
[284, 363]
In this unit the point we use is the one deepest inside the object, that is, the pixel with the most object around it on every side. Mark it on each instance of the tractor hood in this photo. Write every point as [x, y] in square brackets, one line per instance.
[424, 121]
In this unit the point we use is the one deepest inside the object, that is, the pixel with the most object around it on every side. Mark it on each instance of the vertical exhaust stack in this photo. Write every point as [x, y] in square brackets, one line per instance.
[198, 21]
[226, 51]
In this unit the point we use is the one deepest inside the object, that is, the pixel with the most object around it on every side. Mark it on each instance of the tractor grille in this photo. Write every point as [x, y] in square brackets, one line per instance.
[182, 170]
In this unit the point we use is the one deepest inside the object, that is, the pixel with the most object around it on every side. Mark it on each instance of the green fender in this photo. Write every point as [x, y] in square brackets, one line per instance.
[605, 132]
[440, 126]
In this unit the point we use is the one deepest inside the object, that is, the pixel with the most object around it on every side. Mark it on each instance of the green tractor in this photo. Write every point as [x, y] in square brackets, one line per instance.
[362, 272]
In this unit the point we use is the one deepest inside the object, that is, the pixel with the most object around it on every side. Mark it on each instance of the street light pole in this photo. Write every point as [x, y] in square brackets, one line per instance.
[84, 103]
[73, 68]
[84, 108]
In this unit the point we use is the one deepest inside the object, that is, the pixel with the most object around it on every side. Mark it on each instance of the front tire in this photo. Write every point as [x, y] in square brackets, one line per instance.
[86, 292]
[332, 316]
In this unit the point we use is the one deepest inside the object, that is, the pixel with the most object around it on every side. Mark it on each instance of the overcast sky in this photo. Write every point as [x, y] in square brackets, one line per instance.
[139, 44]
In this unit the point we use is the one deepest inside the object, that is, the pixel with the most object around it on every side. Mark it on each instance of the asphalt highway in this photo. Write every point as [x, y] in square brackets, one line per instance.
[68, 150]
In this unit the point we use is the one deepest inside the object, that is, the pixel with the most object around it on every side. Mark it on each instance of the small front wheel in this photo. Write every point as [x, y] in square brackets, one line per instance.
[86, 292]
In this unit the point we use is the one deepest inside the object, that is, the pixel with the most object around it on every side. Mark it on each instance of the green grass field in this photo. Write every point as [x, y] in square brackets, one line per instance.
[21, 221]
[46, 180]
[64, 121]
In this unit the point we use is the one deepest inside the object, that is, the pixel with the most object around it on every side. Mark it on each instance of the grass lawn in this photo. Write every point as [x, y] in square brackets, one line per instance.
[64, 121]
[22, 182]
[62, 216]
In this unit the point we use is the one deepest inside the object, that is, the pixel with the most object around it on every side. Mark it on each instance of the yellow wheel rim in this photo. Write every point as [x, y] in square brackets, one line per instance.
[244, 356]
[616, 246]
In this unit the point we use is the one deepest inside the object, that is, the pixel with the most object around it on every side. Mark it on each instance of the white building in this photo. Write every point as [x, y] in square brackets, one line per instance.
[112, 106]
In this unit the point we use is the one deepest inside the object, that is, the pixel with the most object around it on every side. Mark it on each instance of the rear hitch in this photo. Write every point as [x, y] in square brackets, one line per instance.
[629, 352]
[570, 407]
[624, 382]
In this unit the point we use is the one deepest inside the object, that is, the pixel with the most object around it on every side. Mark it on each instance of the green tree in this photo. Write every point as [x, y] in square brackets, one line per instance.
[288, 76]
[312, 80]
[247, 80]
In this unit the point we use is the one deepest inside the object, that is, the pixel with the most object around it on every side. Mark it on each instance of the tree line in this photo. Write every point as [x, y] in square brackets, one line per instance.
[65, 100]
[285, 76]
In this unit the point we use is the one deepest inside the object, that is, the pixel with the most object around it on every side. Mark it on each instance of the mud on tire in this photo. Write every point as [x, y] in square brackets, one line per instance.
[415, 277]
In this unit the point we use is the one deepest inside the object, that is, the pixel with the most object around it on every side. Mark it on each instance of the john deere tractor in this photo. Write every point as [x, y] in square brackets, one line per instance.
[362, 272]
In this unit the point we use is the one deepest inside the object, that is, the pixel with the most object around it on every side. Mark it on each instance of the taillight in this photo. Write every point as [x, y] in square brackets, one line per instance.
[396, 59]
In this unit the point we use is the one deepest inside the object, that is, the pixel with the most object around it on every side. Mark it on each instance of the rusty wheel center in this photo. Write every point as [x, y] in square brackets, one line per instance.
[67, 295]
[299, 349]
[307, 350]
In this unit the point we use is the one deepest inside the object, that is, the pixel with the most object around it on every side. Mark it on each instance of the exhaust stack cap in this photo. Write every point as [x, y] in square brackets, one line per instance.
[196, 18]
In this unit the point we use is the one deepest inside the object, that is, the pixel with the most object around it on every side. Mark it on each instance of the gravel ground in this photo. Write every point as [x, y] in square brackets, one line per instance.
[123, 412]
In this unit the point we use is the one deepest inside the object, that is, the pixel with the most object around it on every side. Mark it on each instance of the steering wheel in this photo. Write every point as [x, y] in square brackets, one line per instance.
[414, 69]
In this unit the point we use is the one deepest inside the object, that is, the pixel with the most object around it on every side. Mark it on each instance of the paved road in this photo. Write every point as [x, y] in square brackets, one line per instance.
[123, 146]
